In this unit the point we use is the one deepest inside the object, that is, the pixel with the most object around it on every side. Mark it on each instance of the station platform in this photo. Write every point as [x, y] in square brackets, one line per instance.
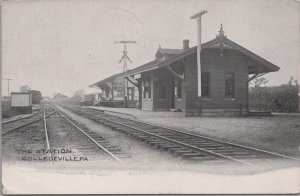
[279, 130]
[135, 113]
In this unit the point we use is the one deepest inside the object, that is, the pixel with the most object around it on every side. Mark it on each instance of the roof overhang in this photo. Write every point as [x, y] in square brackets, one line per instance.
[104, 84]
[256, 65]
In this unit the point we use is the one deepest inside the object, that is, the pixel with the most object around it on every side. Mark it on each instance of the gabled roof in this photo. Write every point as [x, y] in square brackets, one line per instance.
[119, 75]
[220, 42]
[109, 79]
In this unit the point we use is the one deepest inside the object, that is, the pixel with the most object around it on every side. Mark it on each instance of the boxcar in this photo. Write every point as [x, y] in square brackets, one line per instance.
[22, 102]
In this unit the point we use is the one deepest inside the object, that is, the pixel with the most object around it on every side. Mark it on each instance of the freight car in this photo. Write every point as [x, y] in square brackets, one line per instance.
[21, 102]
[90, 99]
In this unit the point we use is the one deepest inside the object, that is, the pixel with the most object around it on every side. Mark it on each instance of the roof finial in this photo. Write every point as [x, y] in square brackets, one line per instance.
[159, 46]
[221, 32]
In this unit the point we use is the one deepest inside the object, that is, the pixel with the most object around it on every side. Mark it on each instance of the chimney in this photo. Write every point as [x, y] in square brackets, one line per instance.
[186, 44]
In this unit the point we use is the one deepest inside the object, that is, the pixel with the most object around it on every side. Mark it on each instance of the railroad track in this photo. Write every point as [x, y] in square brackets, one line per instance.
[19, 119]
[28, 138]
[91, 144]
[35, 114]
[186, 145]
[21, 123]
[55, 133]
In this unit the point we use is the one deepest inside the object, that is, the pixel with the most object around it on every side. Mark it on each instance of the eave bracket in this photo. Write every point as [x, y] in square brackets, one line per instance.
[181, 77]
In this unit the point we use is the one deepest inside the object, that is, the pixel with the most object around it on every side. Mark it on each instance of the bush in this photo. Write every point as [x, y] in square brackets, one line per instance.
[7, 112]
[282, 98]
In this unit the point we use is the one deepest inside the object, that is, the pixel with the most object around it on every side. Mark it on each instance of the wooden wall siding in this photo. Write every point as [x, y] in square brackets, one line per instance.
[231, 62]
[212, 62]
[162, 77]
[190, 93]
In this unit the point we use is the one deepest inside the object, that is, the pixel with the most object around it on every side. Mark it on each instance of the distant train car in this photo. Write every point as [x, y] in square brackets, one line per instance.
[21, 102]
[88, 100]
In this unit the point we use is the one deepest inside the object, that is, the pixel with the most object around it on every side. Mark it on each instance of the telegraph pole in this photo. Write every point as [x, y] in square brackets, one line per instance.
[7, 79]
[198, 17]
[124, 58]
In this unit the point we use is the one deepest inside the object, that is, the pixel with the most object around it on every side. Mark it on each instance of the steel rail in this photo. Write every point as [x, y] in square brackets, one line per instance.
[6, 122]
[217, 140]
[230, 143]
[90, 138]
[174, 141]
[220, 141]
[10, 130]
[46, 134]
[10, 121]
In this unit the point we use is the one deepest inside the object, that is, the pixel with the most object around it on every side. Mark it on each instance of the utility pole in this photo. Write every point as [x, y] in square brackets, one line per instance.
[124, 58]
[198, 17]
[7, 79]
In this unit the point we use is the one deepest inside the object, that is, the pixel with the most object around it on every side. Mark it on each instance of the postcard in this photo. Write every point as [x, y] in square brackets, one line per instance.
[150, 97]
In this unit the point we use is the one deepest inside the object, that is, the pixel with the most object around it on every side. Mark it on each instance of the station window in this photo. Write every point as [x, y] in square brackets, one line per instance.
[229, 85]
[162, 91]
[205, 77]
[147, 88]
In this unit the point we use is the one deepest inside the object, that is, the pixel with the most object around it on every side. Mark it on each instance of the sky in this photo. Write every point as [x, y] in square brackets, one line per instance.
[67, 45]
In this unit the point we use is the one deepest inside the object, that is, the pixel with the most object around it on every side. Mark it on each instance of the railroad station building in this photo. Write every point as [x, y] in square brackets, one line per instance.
[113, 91]
[169, 82]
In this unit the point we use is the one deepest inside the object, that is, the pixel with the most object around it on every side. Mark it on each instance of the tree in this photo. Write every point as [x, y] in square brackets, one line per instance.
[25, 89]
[283, 98]
[293, 82]
[74, 100]
[59, 96]
[79, 93]
[260, 82]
